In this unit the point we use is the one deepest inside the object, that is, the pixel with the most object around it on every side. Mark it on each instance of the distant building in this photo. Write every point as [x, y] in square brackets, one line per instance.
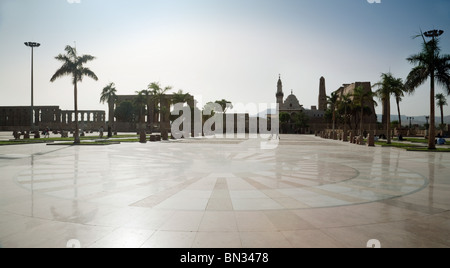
[369, 120]
[153, 116]
[315, 117]
[291, 105]
[18, 118]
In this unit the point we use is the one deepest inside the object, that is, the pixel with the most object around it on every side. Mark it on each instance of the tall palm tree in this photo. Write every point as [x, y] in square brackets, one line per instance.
[362, 98]
[389, 85]
[150, 107]
[441, 102]
[158, 97]
[157, 93]
[333, 102]
[109, 95]
[345, 104]
[180, 97]
[430, 63]
[225, 105]
[399, 94]
[73, 66]
[140, 101]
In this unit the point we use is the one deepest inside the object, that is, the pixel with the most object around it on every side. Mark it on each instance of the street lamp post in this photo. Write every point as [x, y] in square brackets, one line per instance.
[410, 123]
[434, 33]
[32, 45]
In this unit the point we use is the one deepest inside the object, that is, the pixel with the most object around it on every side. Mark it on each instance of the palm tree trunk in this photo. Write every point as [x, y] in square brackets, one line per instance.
[361, 120]
[76, 133]
[399, 115]
[150, 110]
[111, 116]
[388, 120]
[334, 120]
[442, 115]
[344, 138]
[432, 131]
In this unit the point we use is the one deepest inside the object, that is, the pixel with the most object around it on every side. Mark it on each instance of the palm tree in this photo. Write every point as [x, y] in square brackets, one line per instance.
[389, 85]
[73, 66]
[109, 95]
[333, 101]
[362, 98]
[150, 107]
[140, 101]
[225, 105]
[430, 63]
[158, 97]
[179, 97]
[399, 94]
[345, 104]
[441, 102]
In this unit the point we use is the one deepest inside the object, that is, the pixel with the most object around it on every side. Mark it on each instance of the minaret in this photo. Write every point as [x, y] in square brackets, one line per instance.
[322, 95]
[280, 94]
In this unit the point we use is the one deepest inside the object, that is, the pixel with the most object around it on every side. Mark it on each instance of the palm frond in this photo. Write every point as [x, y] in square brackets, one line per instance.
[63, 58]
[63, 71]
[417, 58]
[108, 93]
[71, 51]
[441, 100]
[416, 78]
[85, 58]
[155, 87]
[89, 73]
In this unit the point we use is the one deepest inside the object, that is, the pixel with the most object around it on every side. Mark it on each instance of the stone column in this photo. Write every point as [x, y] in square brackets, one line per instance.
[191, 104]
[371, 139]
[37, 112]
[165, 113]
[345, 136]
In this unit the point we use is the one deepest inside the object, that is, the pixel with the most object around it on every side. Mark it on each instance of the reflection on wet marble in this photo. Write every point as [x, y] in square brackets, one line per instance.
[307, 192]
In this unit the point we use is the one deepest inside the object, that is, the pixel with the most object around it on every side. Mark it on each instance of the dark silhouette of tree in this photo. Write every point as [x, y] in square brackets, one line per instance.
[125, 112]
[429, 64]
[225, 105]
[345, 105]
[140, 101]
[389, 85]
[109, 96]
[441, 102]
[362, 98]
[333, 101]
[73, 65]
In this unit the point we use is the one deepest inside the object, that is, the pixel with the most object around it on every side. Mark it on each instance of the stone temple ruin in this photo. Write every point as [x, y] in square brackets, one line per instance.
[158, 117]
[18, 118]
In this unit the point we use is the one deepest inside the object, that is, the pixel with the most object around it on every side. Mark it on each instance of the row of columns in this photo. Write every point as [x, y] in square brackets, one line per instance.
[20, 116]
[68, 117]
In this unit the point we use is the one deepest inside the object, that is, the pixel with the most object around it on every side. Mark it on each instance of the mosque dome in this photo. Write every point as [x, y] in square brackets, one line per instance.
[292, 103]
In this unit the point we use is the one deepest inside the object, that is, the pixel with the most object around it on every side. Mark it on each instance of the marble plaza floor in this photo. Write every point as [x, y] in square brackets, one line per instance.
[302, 192]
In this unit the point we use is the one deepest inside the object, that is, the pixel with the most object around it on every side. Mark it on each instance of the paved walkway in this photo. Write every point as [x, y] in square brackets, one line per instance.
[305, 192]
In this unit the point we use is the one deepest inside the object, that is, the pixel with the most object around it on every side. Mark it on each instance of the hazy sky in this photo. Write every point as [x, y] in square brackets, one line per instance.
[214, 49]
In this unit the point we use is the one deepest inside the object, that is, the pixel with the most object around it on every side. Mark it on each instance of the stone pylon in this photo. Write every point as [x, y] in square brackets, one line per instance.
[322, 95]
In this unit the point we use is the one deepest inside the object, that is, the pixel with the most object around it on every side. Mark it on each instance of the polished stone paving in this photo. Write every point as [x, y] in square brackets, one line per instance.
[302, 192]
